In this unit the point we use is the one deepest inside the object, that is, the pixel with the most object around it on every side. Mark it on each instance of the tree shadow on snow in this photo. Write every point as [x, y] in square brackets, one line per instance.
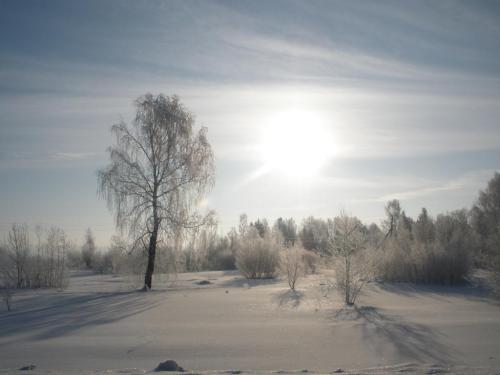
[241, 282]
[288, 298]
[412, 341]
[58, 315]
[442, 293]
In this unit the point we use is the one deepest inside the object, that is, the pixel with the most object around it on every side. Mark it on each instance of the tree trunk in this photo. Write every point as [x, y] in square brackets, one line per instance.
[148, 279]
[347, 281]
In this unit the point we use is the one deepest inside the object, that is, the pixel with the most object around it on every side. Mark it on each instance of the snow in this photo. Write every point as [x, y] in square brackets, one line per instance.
[103, 322]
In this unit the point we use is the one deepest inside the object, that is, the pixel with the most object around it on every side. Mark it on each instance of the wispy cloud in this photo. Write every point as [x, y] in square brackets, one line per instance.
[19, 159]
[471, 181]
[398, 82]
[326, 61]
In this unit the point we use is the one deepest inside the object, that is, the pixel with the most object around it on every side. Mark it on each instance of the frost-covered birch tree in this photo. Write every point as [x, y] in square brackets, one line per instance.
[159, 169]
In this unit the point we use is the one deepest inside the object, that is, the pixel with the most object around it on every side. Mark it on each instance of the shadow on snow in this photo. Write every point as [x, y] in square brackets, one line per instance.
[289, 298]
[62, 314]
[411, 340]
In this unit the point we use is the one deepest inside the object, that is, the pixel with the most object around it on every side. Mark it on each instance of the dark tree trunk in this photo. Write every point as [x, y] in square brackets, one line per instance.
[148, 279]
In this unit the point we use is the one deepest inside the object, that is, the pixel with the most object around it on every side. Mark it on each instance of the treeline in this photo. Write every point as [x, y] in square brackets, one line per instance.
[425, 249]
[442, 250]
[39, 262]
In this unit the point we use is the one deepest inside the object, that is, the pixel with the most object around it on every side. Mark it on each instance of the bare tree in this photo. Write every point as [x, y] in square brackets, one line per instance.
[347, 242]
[159, 169]
[18, 250]
[57, 246]
[391, 223]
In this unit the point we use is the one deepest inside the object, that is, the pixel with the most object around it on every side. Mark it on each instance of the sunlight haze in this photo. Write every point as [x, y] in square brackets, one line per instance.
[351, 103]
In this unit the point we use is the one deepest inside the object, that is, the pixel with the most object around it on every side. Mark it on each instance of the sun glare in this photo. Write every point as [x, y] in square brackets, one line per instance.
[296, 143]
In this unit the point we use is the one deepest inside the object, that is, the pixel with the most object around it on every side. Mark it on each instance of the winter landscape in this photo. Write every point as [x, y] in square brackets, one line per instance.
[236, 187]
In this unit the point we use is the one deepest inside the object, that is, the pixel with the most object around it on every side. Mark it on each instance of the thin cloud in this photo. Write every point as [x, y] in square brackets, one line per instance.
[472, 181]
[19, 159]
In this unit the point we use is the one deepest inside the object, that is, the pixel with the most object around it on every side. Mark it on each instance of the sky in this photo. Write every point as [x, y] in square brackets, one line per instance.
[404, 96]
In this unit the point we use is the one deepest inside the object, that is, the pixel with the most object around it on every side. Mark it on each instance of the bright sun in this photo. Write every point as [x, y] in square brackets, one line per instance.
[296, 143]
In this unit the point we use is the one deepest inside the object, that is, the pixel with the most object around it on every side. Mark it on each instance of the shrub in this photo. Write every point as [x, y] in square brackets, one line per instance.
[256, 257]
[41, 266]
[292, 264]
[350, 276]
[447, 259]
[394, 261]
[425, 264]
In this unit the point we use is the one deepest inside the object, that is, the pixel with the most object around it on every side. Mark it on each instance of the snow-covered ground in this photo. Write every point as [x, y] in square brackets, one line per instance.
[102, 322]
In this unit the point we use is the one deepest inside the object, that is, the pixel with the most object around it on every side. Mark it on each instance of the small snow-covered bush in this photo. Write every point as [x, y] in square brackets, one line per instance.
[257, 257]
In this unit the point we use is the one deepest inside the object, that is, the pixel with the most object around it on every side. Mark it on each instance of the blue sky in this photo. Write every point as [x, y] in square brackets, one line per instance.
[409, 91]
